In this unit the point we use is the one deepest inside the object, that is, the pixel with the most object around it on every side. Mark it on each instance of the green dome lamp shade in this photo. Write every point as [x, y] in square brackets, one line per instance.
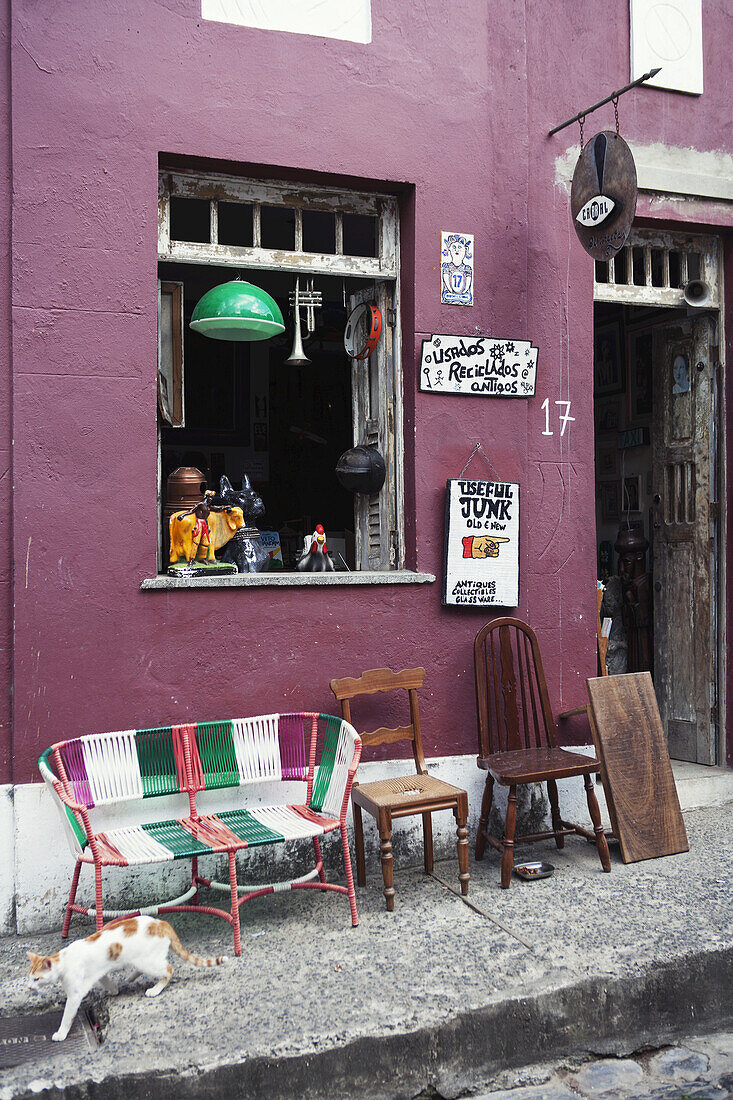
[237, 311]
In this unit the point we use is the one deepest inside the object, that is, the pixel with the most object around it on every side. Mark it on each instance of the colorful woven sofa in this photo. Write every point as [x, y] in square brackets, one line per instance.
[87, 774]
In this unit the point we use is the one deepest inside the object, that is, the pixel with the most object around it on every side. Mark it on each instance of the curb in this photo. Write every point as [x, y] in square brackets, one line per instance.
[598, 1015]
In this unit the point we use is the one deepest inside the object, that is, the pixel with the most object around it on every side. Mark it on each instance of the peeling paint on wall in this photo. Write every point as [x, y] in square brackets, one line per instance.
[666, 168]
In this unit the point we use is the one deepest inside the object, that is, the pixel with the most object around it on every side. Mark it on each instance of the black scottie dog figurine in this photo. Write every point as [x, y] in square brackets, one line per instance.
[245, 498]
[245, 549]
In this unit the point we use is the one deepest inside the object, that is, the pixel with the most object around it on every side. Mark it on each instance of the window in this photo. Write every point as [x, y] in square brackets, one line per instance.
[654, 267]
[238, 408]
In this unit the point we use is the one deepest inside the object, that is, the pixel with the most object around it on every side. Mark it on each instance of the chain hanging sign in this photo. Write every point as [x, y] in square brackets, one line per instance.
[480, 366]
[603, 195]
[481, 543]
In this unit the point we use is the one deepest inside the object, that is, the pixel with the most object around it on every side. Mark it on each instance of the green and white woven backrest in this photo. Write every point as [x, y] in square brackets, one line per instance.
[341, 742]
[272, 747]
[249, 750]
[107, 768]
[75, 834]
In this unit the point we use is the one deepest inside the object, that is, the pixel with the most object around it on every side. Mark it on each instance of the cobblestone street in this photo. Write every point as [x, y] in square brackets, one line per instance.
[698, 1068]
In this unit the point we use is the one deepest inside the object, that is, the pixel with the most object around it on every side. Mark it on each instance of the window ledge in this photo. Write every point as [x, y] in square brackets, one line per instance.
[286, 580]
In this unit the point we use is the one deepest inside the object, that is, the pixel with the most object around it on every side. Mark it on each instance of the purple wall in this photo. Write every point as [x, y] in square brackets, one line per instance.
[6, 548]
[456, 103]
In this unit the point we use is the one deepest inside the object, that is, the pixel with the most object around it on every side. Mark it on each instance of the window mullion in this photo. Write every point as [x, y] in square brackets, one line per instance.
[387, 228]
[164, 215]
[256, 225]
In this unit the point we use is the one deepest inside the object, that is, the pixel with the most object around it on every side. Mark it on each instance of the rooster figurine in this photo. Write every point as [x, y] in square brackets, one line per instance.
[314, 557]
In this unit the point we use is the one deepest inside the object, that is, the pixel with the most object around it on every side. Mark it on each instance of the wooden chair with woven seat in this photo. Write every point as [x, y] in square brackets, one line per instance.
[406, 795]
[517, 739]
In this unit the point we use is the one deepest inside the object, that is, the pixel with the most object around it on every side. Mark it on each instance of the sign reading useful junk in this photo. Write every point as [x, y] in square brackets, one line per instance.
[481, 366]
[481, 544]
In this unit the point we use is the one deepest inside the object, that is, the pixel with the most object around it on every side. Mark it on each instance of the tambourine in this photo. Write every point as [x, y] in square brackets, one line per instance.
[363, 329]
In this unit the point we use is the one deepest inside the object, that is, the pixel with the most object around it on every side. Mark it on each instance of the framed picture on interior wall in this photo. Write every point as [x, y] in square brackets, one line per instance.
[640, 376]
[608, 416]
[610, 501]
[631, 495]
[609, 367]
[607, 460]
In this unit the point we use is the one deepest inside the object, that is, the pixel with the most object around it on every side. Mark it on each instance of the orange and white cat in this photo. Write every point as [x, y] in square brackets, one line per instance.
[138, 942]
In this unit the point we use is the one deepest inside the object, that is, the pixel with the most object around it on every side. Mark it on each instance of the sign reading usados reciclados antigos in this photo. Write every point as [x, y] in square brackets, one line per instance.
[479, 366]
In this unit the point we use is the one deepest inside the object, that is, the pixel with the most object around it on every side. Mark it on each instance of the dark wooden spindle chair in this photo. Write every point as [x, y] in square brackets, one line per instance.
[517, 740]
[406, 795]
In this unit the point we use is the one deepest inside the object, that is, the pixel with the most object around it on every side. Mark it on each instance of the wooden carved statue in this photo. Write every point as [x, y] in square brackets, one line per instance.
[636, 606]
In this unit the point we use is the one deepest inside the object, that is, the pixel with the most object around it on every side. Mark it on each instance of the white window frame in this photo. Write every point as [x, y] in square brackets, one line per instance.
[381, 270]
[705, 248]
[256, 193]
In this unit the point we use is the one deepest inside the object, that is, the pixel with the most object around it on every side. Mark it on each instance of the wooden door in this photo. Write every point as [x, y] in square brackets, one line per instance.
[373, 418]
[684, 558]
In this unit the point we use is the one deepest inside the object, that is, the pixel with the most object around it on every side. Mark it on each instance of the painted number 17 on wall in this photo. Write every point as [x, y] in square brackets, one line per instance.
[564, 417]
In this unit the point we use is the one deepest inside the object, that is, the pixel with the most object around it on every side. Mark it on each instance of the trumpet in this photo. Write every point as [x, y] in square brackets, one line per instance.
[311, 300]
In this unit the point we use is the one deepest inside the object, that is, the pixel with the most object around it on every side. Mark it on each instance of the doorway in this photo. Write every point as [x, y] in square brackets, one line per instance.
[657, 439]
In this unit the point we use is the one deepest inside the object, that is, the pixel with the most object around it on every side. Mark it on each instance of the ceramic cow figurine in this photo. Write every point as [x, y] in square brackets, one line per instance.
[197, 534]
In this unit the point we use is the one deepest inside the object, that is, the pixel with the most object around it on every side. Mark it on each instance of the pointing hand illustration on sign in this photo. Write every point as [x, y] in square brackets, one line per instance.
[481, 546]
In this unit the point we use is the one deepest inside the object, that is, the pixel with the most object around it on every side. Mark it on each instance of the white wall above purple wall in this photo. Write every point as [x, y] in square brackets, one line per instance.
[668, 33]
[350, 20]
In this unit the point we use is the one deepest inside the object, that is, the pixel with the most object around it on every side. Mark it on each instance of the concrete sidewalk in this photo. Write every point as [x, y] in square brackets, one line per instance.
[434, 996]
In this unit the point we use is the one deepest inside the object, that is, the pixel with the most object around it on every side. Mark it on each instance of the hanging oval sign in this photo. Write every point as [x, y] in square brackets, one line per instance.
[603, 195]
